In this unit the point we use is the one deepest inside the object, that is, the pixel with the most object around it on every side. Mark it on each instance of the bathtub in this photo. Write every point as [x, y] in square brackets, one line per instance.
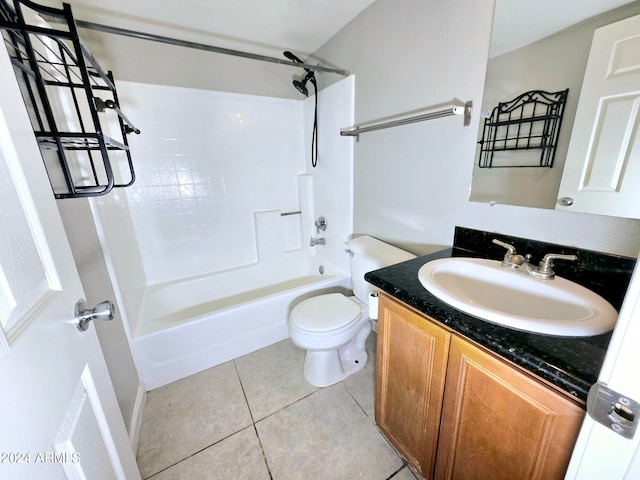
[188, 326]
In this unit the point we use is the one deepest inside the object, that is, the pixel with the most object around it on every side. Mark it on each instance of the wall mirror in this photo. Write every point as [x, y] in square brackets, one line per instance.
[544, 46]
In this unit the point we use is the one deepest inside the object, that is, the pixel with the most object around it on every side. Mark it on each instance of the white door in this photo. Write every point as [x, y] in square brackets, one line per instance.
[600, 453]
[602, 169]
[59, 416]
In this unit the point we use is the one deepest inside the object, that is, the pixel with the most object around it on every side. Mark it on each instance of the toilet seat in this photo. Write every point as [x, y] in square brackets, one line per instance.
[325, 313]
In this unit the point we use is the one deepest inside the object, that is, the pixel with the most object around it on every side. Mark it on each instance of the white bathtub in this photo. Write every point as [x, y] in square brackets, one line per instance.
[186, 327]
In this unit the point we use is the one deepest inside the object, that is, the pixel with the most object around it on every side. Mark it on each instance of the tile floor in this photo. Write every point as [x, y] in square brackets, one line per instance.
[257, 418]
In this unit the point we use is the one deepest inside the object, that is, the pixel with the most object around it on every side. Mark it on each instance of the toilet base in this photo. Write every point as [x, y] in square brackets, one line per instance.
[323, 368]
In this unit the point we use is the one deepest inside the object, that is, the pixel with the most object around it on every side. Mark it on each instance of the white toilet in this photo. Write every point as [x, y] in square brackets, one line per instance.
[333, 328]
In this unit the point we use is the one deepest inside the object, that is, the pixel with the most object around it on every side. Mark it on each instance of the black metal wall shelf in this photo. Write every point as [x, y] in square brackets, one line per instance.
[71, 101]
[530, 121]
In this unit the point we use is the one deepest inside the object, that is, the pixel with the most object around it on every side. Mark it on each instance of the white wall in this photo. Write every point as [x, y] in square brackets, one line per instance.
[206, 162]
[120, 247]
[333, 176]
[412, 182]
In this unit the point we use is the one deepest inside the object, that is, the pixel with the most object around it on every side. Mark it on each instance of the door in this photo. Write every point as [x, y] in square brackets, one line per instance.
[59, 414]
[602, 169]
[601, 453]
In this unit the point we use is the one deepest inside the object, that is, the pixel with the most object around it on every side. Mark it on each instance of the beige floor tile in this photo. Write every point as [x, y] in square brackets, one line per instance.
[362, 385]
[188, 415]
[238, 457]
[273, 378]
[404, 474]
[326, 435]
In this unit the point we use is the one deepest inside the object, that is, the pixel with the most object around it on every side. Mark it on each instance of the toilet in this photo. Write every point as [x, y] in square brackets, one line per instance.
[333, 328]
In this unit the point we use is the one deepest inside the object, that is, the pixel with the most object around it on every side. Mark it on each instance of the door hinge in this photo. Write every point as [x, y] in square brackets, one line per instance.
[613, 410]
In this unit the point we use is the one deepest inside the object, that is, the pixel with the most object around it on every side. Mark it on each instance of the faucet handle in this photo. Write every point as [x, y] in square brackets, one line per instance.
[545, 266]
[511, 250]
[321, 224]
[511, 259]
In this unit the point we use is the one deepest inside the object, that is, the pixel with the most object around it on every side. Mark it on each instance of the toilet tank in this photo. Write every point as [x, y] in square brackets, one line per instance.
[371, 254]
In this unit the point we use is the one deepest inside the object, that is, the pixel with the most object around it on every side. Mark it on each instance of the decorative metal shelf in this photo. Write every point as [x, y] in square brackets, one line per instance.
[71, 101]
[530, 121]
[77, 141]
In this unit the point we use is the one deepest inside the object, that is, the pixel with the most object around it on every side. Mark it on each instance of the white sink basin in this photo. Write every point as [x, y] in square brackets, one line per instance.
[484, 289]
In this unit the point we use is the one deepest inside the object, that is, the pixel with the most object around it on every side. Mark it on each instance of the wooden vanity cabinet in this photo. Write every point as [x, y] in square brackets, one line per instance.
[411, 363]
[456, 411]
[499, 423]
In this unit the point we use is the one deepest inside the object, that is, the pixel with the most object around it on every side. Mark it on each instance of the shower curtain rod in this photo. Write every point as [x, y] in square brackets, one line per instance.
[201, 46]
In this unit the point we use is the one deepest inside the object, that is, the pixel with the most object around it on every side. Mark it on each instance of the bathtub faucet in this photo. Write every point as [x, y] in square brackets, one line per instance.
[317, 241]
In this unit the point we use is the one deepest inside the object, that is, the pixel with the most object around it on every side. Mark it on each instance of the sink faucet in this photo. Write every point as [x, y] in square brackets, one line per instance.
[511, 260]
[544, 270]
[317, 241]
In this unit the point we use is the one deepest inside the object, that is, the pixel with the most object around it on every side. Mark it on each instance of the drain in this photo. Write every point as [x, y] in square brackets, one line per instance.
[321, 270]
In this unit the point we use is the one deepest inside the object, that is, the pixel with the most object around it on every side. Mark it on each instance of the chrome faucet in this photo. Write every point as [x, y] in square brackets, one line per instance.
[544, 270]
[321, 224]
[317, 241]
[511, 260]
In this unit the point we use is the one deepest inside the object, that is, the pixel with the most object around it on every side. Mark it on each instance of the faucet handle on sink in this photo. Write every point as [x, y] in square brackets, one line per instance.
[511, 250]
[511, 259]
[546, 264]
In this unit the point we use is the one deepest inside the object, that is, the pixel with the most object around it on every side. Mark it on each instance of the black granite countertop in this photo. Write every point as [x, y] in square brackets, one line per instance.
[570, 363]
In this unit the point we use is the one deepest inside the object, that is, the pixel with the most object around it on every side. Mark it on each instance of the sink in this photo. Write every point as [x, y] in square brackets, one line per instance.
[484, 289]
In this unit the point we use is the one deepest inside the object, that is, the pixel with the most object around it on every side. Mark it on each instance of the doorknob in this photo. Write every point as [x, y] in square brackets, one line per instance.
[103, 311]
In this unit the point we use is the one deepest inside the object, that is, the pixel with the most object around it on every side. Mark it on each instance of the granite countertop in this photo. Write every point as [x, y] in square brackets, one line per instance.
[570, 363]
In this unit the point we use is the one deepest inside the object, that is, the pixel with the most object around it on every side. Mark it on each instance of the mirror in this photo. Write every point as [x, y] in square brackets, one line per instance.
[546, 49]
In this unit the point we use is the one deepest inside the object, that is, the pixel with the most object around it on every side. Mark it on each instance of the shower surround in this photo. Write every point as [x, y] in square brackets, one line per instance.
[209, 250]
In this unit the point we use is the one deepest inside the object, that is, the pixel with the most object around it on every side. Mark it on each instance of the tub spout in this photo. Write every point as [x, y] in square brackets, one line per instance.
[317, 241]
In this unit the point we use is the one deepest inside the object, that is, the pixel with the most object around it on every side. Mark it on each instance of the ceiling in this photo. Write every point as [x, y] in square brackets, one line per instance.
[520, 22]
[268, 27]
[256, 26]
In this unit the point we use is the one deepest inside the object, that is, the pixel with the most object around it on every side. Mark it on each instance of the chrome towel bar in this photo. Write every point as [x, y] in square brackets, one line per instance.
[452, 110]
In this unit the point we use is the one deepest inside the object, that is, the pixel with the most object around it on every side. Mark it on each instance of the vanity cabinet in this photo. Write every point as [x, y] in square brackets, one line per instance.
[411, 366]
[456, 411]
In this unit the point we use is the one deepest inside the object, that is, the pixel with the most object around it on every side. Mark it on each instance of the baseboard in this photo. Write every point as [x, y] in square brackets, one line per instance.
[136, 418]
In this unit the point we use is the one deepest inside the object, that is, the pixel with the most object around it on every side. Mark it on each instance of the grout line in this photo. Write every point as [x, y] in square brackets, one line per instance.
[253, 422]
[222, 439]
[197, 452]
[356, 401]
[397, 472]
[291, 404]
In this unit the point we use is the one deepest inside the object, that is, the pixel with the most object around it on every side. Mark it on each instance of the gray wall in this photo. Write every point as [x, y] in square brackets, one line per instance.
[412, 182]
[90, 262]
[552, 64]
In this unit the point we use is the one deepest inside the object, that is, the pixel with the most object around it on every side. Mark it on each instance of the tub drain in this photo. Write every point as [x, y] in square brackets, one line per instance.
[321, 270]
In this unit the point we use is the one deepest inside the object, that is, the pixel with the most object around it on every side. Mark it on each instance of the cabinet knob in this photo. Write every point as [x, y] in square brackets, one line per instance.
[566, 201]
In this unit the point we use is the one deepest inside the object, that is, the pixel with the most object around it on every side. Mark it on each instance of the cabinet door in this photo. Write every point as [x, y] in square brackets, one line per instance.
[411, 367]
[498, 423]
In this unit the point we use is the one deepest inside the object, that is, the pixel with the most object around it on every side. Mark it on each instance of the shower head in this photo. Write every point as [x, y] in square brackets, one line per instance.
[301, 86]
[293, 58]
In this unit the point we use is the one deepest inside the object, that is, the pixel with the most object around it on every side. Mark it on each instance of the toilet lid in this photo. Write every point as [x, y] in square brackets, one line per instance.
[324, 312]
